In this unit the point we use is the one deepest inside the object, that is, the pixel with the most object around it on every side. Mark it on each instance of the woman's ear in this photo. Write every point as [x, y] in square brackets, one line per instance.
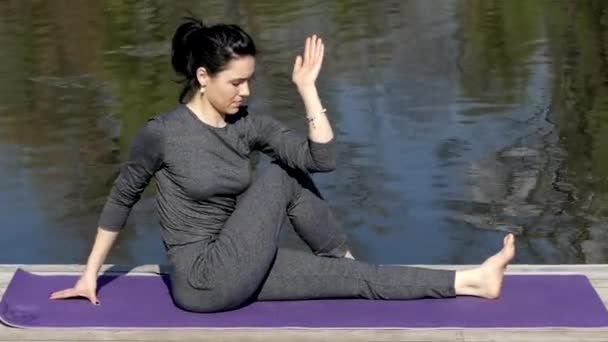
[202, 76]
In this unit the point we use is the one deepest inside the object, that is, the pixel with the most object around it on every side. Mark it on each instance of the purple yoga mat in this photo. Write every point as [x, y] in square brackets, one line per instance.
[137, 301]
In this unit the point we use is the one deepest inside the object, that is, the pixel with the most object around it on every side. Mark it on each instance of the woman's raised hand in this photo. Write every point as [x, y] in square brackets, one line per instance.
[307, 66]
[86, 287]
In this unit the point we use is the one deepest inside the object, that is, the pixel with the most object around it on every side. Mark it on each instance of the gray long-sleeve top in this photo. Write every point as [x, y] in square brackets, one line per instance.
[200, 169]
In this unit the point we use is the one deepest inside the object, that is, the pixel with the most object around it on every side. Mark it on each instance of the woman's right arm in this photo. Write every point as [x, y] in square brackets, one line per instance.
[101, 247]
[86, 286]
[145, 159]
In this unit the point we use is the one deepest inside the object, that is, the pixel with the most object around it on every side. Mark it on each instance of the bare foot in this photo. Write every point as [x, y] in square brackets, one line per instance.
[486, 280]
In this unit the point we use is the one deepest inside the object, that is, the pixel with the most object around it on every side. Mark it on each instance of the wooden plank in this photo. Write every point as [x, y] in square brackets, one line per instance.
[79, 268]
[473, 335]
[544, 335]
[603, 293]
[7, 334]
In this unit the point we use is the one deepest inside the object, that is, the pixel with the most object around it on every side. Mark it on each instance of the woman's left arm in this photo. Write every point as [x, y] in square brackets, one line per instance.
[280, 142]
[305, 72]
[316, 153]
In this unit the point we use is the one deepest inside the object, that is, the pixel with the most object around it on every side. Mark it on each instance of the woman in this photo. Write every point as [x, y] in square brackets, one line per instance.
[219, 228]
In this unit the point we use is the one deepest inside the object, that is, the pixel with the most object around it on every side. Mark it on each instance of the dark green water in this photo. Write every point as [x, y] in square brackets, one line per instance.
[456, 121]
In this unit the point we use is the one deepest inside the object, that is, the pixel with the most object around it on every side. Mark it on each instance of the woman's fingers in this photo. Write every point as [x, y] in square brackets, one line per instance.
[305, 53]
[93, 298]
[320, 51]
[313, 50]
[297, 64]
[307, 50]
[307, 65]
[315, 47]
[72, 293]
[67, 293]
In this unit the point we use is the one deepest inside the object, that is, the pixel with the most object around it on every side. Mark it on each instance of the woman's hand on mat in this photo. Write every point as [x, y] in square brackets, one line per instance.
[307, 66]
[86, 287]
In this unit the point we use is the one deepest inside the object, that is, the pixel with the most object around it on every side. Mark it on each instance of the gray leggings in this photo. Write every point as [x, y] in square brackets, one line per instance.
[244, 263]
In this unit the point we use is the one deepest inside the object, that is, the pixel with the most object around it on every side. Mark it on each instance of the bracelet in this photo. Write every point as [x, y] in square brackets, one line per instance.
[312, 118]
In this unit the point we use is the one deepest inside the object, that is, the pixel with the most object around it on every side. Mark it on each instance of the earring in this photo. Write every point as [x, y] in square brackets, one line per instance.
[202, 89]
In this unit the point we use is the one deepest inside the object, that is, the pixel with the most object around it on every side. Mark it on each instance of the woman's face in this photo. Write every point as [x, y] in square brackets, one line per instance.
[227, 90]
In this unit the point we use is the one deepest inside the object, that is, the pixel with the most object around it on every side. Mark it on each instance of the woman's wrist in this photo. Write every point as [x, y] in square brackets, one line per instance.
[311, 100]
[307, 90]
[90, 274]
[313, 116]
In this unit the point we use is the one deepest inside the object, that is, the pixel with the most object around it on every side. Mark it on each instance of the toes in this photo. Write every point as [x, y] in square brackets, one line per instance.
[509, 239]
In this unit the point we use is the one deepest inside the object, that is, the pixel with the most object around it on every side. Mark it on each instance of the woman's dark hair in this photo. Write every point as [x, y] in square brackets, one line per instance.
[195, 45]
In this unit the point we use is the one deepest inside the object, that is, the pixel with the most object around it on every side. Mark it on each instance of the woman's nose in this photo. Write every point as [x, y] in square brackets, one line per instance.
[244, 91]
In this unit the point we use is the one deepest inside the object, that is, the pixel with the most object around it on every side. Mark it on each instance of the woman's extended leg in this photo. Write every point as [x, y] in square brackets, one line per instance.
[301, 275]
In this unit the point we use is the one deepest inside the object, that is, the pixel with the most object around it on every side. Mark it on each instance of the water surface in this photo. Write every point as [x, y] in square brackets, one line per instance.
[456, 121]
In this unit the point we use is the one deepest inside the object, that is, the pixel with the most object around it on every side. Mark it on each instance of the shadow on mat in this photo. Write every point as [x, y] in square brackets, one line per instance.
[114, 272]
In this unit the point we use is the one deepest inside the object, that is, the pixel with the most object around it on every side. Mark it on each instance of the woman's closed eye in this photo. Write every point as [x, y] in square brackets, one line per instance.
[237, 82]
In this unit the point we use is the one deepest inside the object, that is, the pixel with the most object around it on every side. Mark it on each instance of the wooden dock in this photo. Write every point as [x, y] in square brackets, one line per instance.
[598, 274]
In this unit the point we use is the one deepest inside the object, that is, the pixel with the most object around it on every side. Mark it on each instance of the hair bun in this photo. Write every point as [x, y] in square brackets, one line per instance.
[181, 46]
